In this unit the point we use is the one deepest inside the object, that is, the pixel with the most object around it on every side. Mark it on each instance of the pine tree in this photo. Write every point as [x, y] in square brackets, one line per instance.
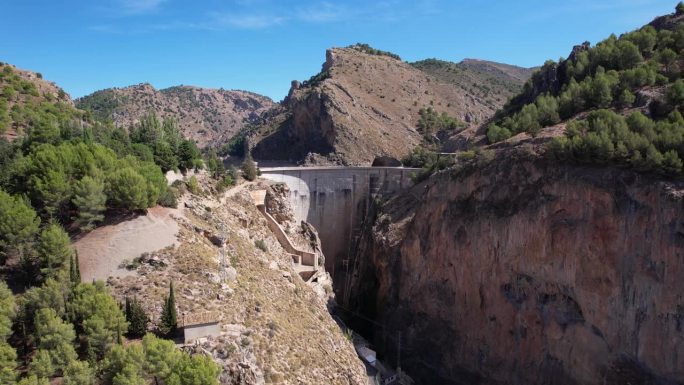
[169, 319]
[89, 198]
[54, 249]
[137, 318]
[18, 223]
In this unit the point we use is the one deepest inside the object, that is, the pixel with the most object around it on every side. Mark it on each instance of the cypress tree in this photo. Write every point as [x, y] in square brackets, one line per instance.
[74, 269]
[169, 315]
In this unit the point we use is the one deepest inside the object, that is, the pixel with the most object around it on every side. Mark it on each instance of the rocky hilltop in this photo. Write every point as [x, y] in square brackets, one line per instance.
[366, 103]
[209, 116]
[494, 83]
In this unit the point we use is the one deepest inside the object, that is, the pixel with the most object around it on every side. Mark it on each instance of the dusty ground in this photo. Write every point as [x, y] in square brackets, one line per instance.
[102, 251]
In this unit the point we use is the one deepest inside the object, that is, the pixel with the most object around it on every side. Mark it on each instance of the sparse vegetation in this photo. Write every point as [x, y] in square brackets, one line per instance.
[193, 185]
[365, 48]
[432, 123]
[494, 83]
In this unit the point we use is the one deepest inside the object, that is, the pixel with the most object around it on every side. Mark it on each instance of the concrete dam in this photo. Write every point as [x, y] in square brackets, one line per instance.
[336, 200]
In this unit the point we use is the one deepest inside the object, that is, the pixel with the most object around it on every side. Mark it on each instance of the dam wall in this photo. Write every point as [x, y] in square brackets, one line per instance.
[335, 200]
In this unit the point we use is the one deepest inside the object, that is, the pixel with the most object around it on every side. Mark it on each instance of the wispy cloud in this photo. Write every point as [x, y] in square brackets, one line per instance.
[322, 13]
[263, 14]
[219, 21]
[139, 6]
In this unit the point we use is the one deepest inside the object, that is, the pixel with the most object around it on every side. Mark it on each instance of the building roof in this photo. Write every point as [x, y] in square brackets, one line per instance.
[198, 318]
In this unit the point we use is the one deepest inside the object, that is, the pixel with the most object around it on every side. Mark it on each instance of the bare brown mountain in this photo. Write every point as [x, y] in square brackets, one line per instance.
[209, 116]
[363, 105]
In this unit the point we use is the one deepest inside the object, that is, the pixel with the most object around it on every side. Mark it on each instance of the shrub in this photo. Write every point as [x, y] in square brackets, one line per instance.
[249, 170]
[169, 198]
[362, 47]
[496, 133]
[193, 185]
[261, 245]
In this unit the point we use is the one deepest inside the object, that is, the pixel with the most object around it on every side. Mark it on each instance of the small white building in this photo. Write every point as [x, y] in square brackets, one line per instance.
[199, 325]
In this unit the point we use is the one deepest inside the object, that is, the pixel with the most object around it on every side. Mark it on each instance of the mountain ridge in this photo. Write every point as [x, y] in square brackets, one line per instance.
[210, 116]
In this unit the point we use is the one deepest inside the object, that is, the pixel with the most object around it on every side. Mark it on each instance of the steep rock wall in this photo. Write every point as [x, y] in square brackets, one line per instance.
[529, 273]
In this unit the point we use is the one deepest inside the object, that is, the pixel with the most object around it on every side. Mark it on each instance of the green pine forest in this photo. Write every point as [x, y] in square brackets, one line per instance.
[621, 101]
[66, 173]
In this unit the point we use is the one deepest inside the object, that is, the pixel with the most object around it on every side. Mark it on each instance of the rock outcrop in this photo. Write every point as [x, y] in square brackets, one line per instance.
[528, 272]
[209, 116]
[361, 106]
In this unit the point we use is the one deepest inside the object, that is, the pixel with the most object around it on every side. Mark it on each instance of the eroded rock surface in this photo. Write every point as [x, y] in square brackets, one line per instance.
[525, 272]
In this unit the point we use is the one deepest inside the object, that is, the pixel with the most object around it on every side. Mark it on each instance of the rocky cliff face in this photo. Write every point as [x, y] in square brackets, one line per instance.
[209, 116]
[526, 272]
[362, 106]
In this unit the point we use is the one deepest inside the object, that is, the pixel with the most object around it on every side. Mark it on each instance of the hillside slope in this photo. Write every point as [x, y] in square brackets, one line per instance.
[209, 116]
[362, 105]
[492, 82]
[275, 328]
[25, 96]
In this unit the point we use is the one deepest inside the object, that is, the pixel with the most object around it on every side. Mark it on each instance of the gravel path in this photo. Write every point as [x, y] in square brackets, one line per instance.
[102, 250]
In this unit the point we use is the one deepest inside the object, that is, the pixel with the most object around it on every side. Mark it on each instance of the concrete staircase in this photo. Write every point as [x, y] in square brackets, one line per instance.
[305, 263]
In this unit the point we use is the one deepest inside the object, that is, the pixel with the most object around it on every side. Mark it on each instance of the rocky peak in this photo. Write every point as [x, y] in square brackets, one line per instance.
[363, 104]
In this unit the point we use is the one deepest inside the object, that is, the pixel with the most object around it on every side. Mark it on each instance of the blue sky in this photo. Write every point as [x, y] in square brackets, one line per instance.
[261, 45]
